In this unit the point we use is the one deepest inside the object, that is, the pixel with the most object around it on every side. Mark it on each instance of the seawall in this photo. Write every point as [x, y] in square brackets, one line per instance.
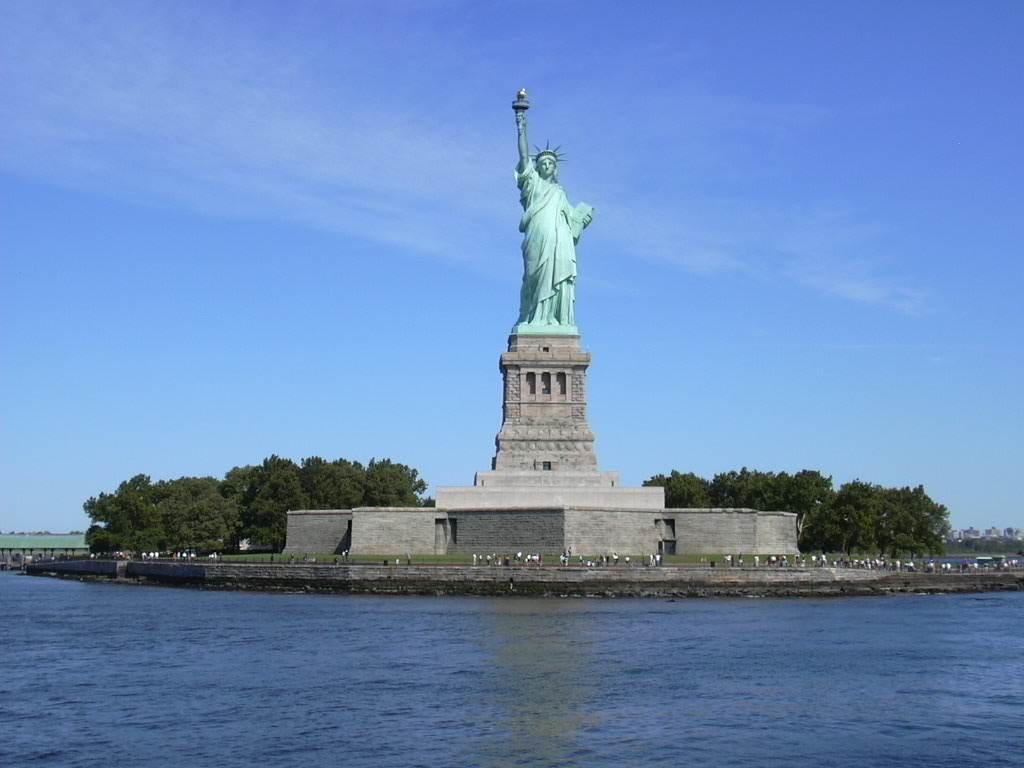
[667, 581]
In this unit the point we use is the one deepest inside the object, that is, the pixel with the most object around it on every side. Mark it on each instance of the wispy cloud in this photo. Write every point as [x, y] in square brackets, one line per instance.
[131, 106]
[689, 192]
[829, 252]
[338, 133]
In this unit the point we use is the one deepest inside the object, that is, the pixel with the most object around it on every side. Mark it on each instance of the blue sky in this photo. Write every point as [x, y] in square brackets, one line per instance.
[233, 229]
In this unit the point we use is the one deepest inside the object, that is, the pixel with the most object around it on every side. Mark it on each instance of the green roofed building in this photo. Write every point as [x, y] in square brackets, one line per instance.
[42, 544]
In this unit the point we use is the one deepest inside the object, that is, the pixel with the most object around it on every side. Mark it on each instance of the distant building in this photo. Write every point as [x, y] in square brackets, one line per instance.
[42, 544]
[965, 534]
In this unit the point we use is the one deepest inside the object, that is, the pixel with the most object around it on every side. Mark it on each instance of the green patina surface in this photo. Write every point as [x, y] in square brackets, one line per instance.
[551, 229]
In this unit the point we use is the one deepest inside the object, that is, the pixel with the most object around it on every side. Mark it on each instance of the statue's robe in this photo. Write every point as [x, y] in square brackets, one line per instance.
[551, 229]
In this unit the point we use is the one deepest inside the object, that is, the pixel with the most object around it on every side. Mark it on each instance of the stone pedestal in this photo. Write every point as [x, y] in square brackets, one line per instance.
[545, 450]
[544, 419]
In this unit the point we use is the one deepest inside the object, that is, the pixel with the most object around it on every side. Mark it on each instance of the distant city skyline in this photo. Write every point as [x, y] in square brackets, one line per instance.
[993, 532]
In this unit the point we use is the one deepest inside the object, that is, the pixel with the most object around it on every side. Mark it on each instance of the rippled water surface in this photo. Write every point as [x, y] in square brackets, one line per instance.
[100, 674]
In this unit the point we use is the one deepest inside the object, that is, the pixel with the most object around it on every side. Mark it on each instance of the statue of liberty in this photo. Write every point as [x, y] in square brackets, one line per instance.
[551, 229]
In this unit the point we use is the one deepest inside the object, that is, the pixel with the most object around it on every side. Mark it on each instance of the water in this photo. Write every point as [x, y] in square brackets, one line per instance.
[101, 674]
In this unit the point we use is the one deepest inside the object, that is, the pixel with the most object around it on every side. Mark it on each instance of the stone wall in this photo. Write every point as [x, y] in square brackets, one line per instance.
[535, 580]
[541, 528]
[776, 533]
[531, 478]
[176, 572]
[110, 568]
[396, 530]
[604, 531]
[533, 531]
[318, 531]
[747, 531]
[496, 497]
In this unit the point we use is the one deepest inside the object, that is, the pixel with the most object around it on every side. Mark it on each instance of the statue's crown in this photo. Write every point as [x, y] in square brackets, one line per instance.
[559, 157]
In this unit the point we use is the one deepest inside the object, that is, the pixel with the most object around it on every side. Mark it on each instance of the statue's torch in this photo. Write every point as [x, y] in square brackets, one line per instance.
[521, 104]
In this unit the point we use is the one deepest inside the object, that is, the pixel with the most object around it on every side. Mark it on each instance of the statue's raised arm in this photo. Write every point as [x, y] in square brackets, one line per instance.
[524, 144]
[551, 228]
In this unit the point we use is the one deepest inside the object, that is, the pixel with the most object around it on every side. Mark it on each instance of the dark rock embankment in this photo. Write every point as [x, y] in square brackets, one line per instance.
[668, 581]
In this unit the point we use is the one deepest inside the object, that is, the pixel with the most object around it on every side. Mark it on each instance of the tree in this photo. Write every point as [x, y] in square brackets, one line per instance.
[196, 514]
[392, 485]
[338, 484]
[682, 491]
[99, 539]
[808, 494]
[910, 522]
[747, 488]
[859, 517]
[127, 519]
[236, 483]
[250, 502]
[864, 517]
[849, 522]
[932, 530]
[270, 490]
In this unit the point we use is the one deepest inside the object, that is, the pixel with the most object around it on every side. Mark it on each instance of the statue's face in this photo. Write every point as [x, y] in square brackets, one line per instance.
[546, 166]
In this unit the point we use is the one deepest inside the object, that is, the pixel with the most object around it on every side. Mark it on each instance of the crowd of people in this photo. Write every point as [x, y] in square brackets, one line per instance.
[613, 559]
[518, 559]
[565, 558]
[186, 554]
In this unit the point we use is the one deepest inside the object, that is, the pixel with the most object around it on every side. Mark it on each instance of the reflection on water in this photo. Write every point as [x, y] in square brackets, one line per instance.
[543, 672]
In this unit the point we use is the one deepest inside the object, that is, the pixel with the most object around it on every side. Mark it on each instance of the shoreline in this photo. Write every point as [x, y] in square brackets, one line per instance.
[531, 580]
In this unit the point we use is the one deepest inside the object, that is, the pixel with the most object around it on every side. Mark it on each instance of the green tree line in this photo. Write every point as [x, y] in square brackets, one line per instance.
[996, 545]
[858, 517]
[250, 502]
